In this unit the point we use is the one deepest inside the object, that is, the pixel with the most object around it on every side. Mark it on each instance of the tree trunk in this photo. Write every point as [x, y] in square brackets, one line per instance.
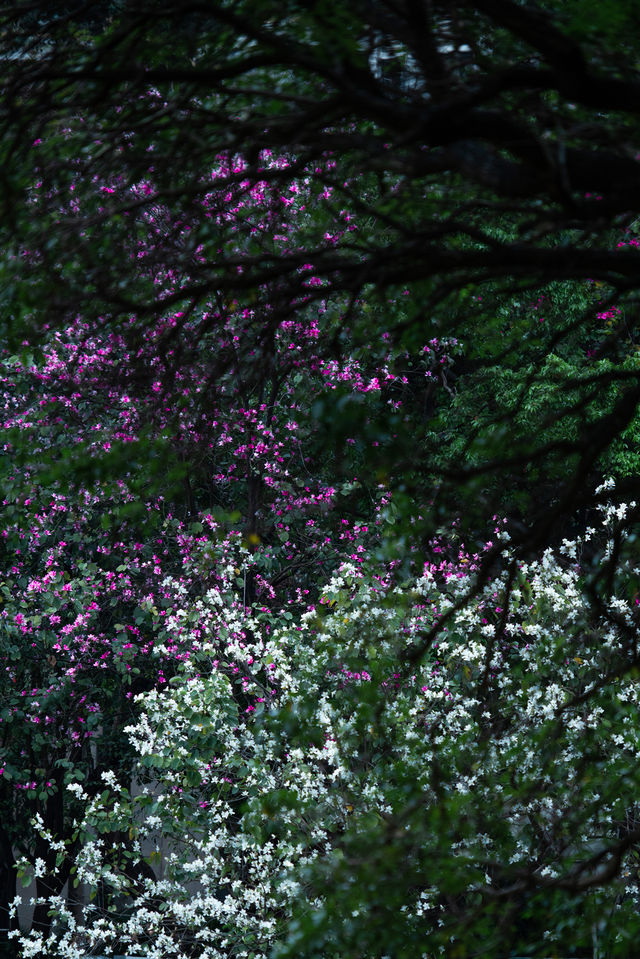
[7, 893]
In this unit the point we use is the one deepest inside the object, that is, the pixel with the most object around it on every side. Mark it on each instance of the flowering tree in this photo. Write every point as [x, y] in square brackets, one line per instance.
[480, 791]
[306, 729]
[294, 304]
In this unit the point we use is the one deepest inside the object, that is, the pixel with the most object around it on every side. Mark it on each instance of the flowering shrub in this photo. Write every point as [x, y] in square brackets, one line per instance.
[490, 727]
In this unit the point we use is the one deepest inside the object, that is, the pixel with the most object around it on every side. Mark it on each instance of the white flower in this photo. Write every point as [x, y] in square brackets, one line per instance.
[77, 790]
[109, 777]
